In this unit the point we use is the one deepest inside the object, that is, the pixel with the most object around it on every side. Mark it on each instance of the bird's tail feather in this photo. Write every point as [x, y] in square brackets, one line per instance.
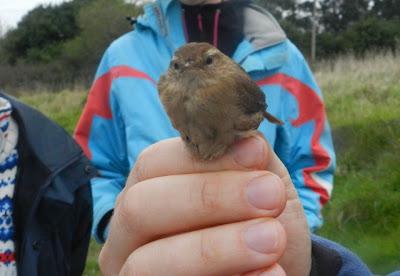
[272, 118]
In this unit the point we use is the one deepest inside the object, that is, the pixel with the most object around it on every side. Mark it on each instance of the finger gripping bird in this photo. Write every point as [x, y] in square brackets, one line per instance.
[211, 100]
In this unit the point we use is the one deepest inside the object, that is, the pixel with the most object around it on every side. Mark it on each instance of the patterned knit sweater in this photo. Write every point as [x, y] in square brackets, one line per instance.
[8, 170]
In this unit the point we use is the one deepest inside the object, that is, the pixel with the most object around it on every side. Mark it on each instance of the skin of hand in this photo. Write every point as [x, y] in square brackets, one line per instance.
[211, 100]
[238, 215]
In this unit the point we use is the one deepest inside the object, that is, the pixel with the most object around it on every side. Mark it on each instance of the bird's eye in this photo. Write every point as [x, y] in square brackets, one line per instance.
[209, 60]
[176, 65]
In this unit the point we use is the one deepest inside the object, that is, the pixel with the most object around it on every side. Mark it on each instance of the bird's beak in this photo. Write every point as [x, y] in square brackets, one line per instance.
[188, 63]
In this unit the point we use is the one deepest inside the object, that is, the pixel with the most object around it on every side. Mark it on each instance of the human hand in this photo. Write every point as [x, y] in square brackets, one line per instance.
[185, 217]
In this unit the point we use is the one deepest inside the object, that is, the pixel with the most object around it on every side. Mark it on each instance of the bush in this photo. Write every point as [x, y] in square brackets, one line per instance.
[40, 33]
[372, 34]
[101, 22]
[42, 54]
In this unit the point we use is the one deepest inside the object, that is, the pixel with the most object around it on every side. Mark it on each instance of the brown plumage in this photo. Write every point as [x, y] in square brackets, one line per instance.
[211, 100]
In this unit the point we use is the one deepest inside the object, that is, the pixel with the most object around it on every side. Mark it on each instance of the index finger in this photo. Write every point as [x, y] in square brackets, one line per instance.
[170, 157]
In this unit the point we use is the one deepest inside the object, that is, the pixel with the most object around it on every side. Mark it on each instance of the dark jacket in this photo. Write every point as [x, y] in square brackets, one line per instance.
[52, 198]
[332, 259]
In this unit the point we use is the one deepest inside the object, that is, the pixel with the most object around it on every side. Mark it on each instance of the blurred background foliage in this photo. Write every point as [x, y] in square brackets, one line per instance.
[59, 46]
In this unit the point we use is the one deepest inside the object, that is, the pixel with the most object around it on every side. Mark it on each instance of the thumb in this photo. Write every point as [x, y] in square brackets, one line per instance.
[275, 165]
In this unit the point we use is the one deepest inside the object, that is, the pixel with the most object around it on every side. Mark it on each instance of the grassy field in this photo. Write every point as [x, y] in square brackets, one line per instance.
[363, 105]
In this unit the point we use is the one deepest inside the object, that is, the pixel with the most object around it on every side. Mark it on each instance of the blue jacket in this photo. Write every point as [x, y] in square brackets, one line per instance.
[52, 202]
[123, 114]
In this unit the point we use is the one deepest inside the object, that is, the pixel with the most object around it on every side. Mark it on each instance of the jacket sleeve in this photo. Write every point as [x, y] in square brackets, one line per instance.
[310, 157]
[330, 258]
[100, 132]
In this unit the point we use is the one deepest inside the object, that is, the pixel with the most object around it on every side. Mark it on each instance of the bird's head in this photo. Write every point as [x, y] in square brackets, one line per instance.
[197, 60]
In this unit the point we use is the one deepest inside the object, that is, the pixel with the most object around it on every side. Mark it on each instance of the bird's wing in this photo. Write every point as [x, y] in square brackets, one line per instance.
[251, 98]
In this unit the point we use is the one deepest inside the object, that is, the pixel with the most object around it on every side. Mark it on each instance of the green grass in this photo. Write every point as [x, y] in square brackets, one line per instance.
[64, 107]
[92, 268]
[363, 104]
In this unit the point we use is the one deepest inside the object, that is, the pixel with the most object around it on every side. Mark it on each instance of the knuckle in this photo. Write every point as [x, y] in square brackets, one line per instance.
[282, 239]
[120, 198]
[102, 262]
[209, 196]
[207, 249]
[140, 171]
[143, 162]
[133, 267]
[127, 215]
[105, 265]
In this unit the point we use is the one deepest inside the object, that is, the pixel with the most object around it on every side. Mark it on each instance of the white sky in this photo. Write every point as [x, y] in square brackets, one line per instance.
[12, 11]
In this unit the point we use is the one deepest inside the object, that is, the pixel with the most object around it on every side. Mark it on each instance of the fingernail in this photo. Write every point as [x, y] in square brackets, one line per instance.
[262, 237]
[249, 152]
[265, 192]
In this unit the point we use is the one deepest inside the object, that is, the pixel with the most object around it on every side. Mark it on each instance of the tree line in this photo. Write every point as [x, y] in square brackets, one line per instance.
[61, 45]
[355, 26]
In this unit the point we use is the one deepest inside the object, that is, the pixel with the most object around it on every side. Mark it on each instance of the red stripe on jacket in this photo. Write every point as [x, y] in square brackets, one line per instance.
[311, 108]
[98, 102]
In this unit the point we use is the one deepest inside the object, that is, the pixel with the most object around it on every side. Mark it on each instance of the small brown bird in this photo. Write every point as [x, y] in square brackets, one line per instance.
[211, 100]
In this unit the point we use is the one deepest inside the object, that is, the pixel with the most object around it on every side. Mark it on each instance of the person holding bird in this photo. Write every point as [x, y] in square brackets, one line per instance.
[191, 184]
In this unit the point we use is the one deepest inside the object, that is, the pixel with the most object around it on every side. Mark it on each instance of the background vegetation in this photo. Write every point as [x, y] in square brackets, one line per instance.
[57, 47]
[50, 58]
[363, 100]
